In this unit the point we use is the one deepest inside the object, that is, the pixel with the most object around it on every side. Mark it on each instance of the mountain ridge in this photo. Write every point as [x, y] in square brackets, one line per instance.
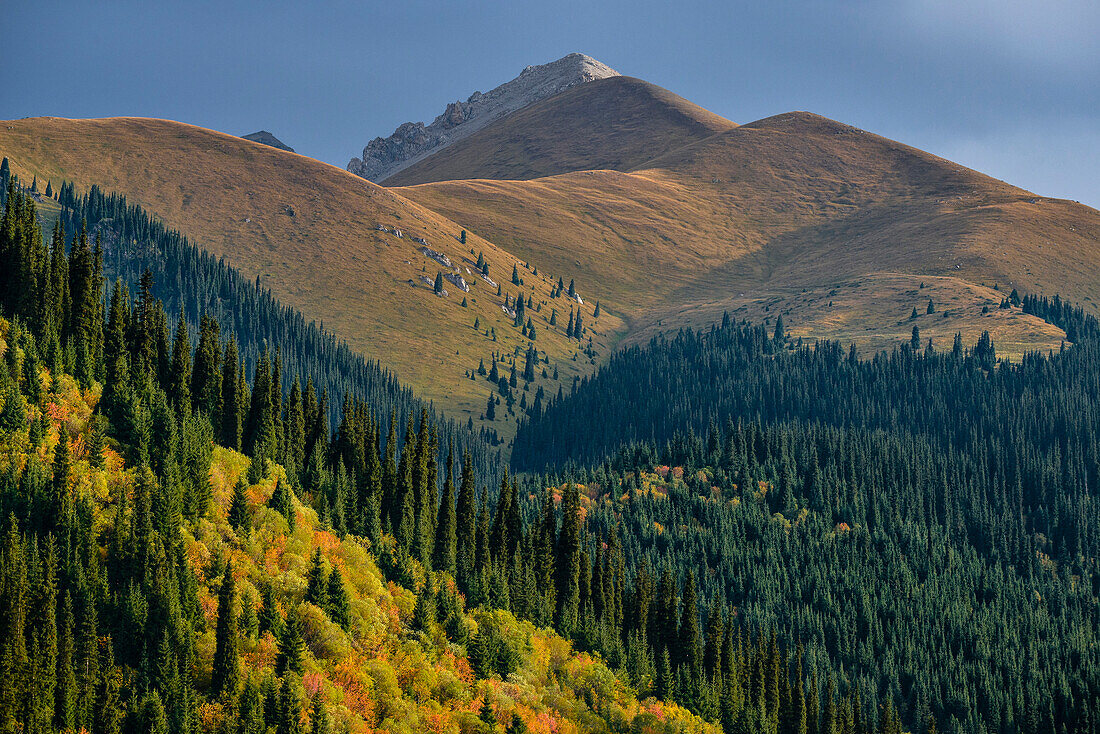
[616, 123]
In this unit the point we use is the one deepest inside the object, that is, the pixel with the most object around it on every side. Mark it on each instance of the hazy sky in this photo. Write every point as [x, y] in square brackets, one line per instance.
[1008, 87]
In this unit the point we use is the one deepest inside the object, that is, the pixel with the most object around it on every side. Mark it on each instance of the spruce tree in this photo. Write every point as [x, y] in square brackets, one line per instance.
[239, 516]
[179, 390]
[269, 618]
[226, 676]
[289, 716]
[231, 398]
[290, 645]
[339, 605]
[568, 561]
[317, 586]
[65, 695]
[444, 551]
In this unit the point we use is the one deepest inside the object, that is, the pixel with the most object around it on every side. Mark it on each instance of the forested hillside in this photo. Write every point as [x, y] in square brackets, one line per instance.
[928, 519]
[160, 507]
[725, 531]
[153, 578]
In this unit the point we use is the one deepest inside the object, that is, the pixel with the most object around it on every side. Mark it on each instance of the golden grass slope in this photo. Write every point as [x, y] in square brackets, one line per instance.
[616, 123]
[762, 211]
[309, 232]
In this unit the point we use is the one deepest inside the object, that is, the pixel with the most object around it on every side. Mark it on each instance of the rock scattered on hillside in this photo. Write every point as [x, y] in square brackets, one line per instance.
[413, 141]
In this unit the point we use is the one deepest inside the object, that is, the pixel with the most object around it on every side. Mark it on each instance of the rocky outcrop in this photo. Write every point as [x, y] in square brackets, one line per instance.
[414, 141]
[266, 138]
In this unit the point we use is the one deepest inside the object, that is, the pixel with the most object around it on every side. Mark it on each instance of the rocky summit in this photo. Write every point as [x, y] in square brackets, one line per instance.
[413, 141]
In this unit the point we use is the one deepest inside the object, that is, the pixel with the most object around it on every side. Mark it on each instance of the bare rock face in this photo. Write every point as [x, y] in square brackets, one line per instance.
[414, 141]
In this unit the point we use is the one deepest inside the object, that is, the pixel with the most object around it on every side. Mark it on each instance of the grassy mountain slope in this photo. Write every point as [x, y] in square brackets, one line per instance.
[766, 216]
[617, 123]
[308, 231]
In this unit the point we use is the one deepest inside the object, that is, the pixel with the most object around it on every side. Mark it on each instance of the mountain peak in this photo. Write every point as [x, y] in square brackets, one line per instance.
[576, 65]
[266, 138]
[414, 141]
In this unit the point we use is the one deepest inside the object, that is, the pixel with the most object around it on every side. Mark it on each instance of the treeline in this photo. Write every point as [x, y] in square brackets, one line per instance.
[892, 512]
[190, 281]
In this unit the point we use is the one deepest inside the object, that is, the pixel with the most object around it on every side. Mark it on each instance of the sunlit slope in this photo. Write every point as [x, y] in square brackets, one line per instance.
[757, 213]
[616, 123]
[309, 232]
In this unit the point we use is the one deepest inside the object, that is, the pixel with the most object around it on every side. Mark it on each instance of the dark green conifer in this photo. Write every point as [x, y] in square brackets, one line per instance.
[226, 675]
[239, 515]
[339, 605]
[290, 645]
[444, 552]
[317, 585]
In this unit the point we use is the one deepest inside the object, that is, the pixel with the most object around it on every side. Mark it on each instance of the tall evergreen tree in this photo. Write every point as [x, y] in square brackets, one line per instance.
[226, 676]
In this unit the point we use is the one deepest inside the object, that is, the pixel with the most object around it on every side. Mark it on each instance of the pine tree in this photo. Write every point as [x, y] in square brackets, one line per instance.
[206, 376]
[568, 561]
[226, 676]
[153, 718]
[691, 642]
[444, 551]
[339, 605]
[319, 723]
[179, 390]
[283, 503]
[250, 709]
[65, 696]
[108, 706]
[231, 398]
[438, 285]
[290, 645]
[465, 524]
[487, 714]
[239, 515]
[290, 706]
[269, 618]
[317, 586]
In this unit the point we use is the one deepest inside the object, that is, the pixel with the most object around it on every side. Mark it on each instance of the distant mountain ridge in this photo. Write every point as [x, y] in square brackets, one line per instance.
[414, 141]
[266, 138]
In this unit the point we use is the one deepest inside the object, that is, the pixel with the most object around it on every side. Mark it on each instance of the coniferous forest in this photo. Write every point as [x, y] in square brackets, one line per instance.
[218, 518]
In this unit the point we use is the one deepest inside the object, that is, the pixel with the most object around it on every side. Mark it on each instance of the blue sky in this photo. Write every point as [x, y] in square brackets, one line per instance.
[1010, 88]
